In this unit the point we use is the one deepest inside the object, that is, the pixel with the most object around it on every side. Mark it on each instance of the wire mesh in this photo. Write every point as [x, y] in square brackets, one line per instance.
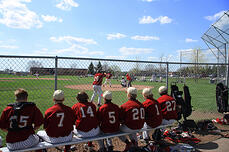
[41, 75]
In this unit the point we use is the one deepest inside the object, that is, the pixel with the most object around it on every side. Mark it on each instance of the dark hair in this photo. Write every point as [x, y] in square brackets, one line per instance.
[133, 97]
[82, 97]
[21, 94]
[106, 100]
[149, 96]
[164, 92]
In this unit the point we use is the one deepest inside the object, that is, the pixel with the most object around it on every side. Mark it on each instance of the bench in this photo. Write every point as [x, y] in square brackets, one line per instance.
[77, 140]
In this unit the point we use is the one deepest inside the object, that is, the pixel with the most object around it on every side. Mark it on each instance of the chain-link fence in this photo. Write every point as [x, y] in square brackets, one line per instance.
[40, 76]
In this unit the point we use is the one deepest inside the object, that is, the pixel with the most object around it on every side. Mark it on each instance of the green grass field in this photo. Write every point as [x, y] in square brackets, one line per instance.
[40, 91]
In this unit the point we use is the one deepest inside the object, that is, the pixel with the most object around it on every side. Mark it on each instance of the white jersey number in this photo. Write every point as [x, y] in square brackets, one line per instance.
[111, 117]
[137, 114]
[22, 121]
[61, 115]
[89, 111]
[171, 105]
[158, 113]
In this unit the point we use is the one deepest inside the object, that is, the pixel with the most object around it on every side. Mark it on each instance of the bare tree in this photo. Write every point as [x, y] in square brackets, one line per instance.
[34, 64]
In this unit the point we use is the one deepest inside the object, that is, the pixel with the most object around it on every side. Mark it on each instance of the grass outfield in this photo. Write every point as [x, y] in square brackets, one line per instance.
[40, 91]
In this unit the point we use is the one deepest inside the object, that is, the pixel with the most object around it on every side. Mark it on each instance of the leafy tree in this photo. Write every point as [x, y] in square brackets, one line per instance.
[91, 69]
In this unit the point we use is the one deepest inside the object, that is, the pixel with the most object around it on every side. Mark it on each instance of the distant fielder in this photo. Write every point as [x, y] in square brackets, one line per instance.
[37, 75]
[98, 79]
[108, 79]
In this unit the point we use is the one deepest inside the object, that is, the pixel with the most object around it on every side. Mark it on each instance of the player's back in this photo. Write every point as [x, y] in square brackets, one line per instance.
[108, 116]
[133, 114]
[59, 120]
[153, 113]
[28, 116]
[168, 107]
[85, 113]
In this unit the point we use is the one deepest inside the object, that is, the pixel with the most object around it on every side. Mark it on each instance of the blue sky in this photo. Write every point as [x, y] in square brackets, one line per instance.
[152, 30]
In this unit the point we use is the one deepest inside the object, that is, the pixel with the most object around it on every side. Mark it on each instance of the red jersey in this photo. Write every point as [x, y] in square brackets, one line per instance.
[153, 115]
[59, 120]
[168, 107]
[128, 77]
[98, 78]
[132, 114]
[108, 116]
[108, 75]
[28, 116]
[85, 113]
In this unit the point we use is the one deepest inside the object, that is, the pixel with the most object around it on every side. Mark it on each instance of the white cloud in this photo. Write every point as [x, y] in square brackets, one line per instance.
[115, 36]
[48, 18]
[66, 5]
[15, 14]
[149, 20]
[8, 46]
[78, 51]
[115, 57]
[72, 40]
[145, 38]
[153, 58]
[189, 40]
[215, 16]
[134, 51]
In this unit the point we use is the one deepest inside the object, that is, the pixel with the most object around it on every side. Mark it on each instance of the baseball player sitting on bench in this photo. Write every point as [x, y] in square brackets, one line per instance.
[86, 124]
[108, 116]
[58, 122]
[168, 106]
[20, 120]
[153, 115]
[132, 115]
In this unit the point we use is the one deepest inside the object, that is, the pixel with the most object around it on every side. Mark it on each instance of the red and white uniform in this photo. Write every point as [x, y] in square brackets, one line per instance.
[98, 79]
[132, 114]
[58, 124]
[85, 113]
[29, 115]
[59, 120]
[128, 77]
[108, 116]
[168, 107]
[153, 115]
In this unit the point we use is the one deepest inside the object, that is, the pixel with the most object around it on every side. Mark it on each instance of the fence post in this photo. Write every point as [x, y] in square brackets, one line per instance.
[167, 75]
[56, 67]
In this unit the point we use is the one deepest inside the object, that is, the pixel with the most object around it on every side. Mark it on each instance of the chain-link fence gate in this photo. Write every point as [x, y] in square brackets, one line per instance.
[40, 76]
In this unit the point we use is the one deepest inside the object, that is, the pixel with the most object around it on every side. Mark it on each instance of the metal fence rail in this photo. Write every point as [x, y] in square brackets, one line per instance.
[76, 74]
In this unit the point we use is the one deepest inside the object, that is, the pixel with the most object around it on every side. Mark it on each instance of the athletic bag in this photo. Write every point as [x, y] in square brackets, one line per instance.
[221, 97]
[187, 100]
[177, 95]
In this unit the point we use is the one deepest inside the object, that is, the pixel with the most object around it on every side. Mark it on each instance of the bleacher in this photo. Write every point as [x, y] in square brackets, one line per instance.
[77, 140]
